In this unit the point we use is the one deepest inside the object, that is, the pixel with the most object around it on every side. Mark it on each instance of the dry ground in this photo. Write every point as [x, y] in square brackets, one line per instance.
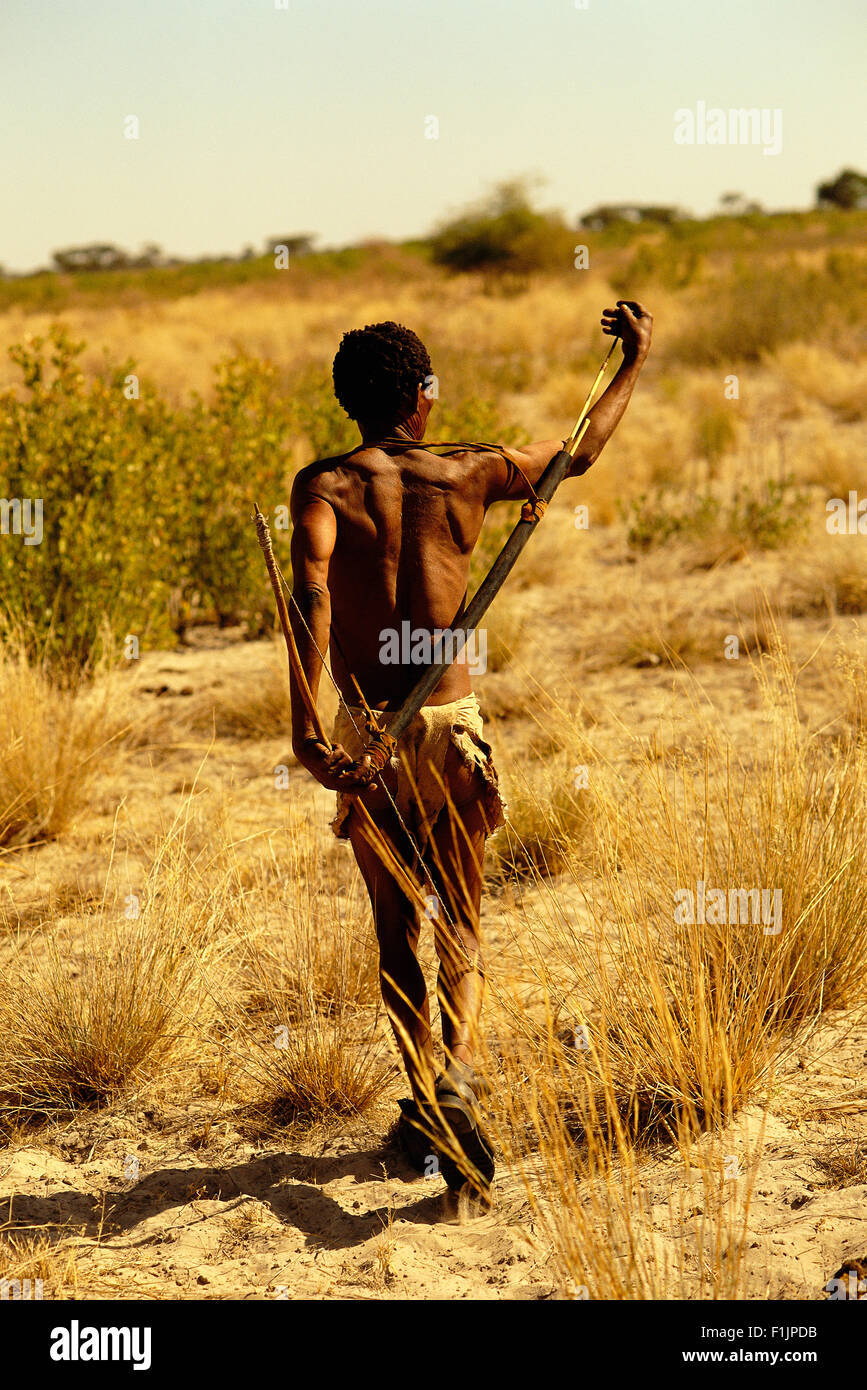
[602, 659]
[224, 1208]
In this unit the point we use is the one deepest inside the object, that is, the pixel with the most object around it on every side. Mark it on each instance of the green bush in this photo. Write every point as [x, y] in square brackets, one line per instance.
[145, 507]
[504, 233]
[90, 457]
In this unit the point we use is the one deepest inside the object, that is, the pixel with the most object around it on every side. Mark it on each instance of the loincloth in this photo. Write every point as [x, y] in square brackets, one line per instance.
[419, 763]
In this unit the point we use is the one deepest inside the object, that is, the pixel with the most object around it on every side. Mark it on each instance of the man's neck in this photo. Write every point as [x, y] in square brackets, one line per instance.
[410, 430]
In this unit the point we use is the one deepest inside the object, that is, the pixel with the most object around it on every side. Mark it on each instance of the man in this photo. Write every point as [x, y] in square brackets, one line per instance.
[383, 536]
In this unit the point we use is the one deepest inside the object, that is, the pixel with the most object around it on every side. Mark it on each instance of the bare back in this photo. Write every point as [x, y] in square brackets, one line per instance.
[406, 527]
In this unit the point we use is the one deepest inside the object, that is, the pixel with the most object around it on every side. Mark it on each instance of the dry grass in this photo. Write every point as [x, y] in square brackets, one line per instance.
[836, 381]
[674, 635]
[53, 741]
[504, 627]
[828, 580]
[619, 1227]
[305, 978]
[550, 822]
[316, 1070]
[33, 1266]
[687, 1017]
[647, 1032]
[90, 1013]
[311, 943]
[845, 1165]
[849, 683]
[72, 899]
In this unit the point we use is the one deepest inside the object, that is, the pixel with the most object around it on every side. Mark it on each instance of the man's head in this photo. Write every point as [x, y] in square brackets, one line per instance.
[380, 373]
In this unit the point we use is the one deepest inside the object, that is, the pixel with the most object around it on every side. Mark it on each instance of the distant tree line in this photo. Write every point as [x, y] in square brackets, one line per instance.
[99, 255]
[105, 255]
[503, 231]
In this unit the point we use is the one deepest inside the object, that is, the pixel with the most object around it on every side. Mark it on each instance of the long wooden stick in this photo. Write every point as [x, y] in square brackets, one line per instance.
[295, 665]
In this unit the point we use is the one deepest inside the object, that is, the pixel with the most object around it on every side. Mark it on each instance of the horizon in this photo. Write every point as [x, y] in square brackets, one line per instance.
[260, 247]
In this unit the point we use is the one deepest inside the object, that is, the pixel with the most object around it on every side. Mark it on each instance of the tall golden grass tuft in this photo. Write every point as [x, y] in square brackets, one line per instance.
[316, 1070]
[549, 827]
[619, 1224]
[549, 823]
[92, 1010]
[669, 1022]
[53, 740]
[692, 1014]
[307, 936]
[306, 972]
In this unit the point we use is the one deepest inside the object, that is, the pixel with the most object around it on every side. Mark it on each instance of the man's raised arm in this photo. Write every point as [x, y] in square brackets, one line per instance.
[630, 322]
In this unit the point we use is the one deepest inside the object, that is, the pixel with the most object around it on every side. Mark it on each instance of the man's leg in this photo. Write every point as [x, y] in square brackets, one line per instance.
[397, 931]
[454, 857]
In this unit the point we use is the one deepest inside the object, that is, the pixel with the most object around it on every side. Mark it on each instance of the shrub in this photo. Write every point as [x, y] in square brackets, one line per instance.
[503, 233]
[145, 507]
[90, 459]
[764, 518]
[226, 456]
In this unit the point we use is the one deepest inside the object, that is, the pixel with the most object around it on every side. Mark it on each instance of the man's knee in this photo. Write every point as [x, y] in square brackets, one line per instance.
[459, 951]
[397, 929]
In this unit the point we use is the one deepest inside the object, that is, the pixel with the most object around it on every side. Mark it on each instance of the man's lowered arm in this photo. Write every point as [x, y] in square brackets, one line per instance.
[314, 534]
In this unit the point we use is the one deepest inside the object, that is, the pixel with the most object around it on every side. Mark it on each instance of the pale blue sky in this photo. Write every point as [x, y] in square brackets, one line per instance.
[256, 121]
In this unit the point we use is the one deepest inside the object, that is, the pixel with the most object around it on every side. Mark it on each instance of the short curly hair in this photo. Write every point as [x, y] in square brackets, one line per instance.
[377, 371]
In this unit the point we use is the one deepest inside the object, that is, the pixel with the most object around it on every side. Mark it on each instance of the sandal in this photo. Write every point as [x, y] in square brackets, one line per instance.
[412, 1137]
[457, 1102]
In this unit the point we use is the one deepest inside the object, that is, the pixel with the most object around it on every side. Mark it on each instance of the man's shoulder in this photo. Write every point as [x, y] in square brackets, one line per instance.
[335, 465]
[463, 461]
[332, 479]
[318, 477]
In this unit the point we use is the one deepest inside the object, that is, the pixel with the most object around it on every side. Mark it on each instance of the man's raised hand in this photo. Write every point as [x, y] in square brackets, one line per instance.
[633, 325]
